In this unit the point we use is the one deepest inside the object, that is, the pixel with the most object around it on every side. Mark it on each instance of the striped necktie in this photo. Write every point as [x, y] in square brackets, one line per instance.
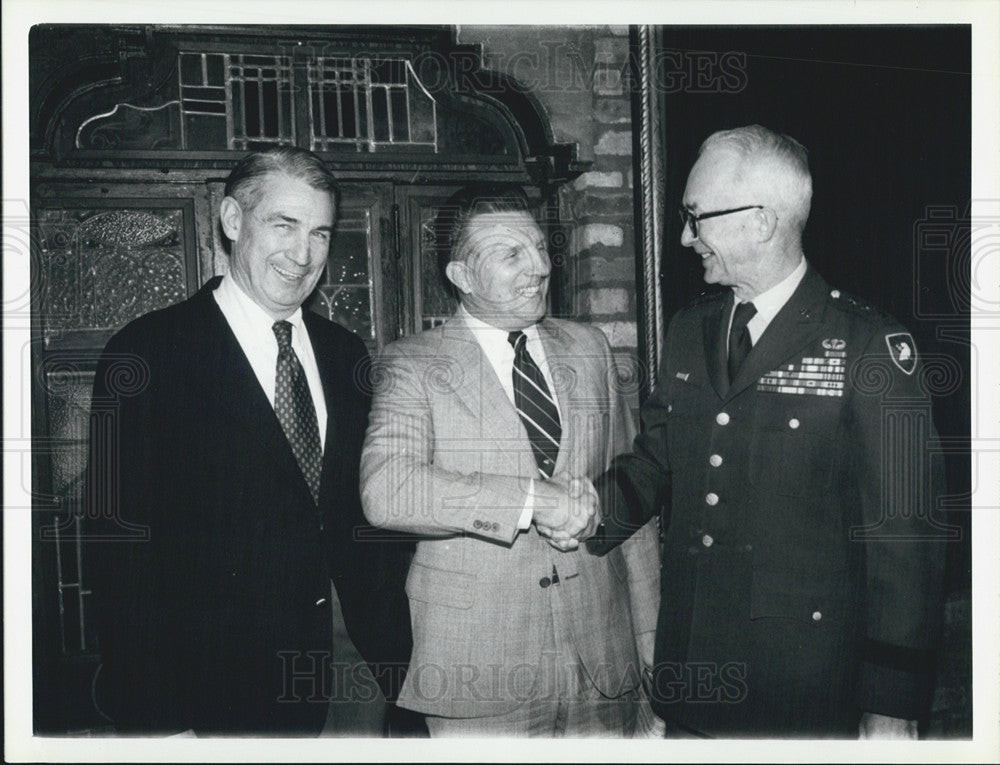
[536, 406]
[295, 409]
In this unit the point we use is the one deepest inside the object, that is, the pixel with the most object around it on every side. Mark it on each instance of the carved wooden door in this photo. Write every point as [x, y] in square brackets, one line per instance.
[103, 257]
[133, 130]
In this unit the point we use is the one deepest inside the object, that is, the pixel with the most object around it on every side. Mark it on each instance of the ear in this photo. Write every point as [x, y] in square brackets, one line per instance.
[231, 217]
[767, 224]
[458, 274]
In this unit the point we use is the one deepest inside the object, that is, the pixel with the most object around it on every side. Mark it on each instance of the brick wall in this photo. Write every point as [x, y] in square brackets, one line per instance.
[575, 73]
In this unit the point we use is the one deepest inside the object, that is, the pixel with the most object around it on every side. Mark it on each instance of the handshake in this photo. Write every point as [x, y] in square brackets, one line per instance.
[566, 510]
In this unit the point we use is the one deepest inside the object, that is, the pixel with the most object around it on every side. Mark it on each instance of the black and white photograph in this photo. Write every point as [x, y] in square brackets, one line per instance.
[525, 381]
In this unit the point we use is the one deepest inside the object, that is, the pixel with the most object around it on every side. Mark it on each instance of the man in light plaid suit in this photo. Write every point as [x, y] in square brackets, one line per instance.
[483, 436]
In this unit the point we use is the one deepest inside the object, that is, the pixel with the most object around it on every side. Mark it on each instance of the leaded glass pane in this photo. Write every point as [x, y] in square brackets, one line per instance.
[349, 306]
[102, 268]
[369, 104]
[260, 92]
[345, 292]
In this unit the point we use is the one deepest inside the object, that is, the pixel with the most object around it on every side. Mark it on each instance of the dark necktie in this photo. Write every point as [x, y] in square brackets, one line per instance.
[536, 406]
[294, 406]
[739, 337]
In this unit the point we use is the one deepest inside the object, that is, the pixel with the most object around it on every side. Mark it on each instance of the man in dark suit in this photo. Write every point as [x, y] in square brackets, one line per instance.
[790, 440]
[225, 482]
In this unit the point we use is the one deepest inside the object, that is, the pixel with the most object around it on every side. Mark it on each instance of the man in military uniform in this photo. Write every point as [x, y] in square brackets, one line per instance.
[791, 445]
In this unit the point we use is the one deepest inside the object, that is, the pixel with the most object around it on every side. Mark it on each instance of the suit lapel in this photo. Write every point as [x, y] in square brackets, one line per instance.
[234, 387]
[477, 386]
[332, 378]
[465, 366]
[555, 346]
[796, 325]
[714, 331]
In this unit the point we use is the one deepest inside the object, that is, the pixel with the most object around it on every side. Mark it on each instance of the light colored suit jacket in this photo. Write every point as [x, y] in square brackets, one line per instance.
[446, 456]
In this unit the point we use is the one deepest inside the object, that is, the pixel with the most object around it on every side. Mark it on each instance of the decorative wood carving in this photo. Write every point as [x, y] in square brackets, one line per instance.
[192, 96]
[101, 268]
[649, 167]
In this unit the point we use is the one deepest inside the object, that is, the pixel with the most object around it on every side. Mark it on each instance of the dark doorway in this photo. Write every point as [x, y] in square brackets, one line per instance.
[885, 113]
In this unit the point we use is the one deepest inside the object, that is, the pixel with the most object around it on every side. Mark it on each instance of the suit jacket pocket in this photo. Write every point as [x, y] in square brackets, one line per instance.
[439, 586]
[813, 597]
[800, 642]
[792, 451]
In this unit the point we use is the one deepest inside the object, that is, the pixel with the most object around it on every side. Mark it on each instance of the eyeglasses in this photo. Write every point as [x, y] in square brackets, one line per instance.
[690, 219]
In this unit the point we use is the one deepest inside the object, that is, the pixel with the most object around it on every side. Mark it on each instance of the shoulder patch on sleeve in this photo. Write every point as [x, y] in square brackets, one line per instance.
[903, 351]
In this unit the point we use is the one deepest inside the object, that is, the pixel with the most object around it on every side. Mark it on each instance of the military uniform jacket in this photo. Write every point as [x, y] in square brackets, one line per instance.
[802, 567]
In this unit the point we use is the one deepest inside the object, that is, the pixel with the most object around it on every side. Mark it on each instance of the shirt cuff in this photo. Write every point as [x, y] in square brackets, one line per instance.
[524, 522]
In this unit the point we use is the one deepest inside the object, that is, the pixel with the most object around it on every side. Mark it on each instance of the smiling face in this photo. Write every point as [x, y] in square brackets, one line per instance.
[501, 267]
[725, 243]
[280, 245]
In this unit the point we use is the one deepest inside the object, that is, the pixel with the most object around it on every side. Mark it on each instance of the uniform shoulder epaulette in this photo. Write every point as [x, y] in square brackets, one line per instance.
[854, 305]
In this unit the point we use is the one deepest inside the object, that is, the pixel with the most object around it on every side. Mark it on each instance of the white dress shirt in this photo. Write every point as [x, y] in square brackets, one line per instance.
[768, 303]
[500, 353]
[252, 326]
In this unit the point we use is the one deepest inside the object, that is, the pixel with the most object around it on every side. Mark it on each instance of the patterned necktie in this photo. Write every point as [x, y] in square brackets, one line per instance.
[739, 337]
[536, 406]
[294, 406]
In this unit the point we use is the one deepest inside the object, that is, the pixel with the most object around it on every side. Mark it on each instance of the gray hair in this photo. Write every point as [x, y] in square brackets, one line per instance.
[784, 161]
[245, 182]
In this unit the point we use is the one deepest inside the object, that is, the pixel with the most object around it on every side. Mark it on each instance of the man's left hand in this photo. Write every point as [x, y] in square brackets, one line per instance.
[875, 726]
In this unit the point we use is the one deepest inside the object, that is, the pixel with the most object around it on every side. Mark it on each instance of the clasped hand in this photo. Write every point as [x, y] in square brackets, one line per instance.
[566, 510]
